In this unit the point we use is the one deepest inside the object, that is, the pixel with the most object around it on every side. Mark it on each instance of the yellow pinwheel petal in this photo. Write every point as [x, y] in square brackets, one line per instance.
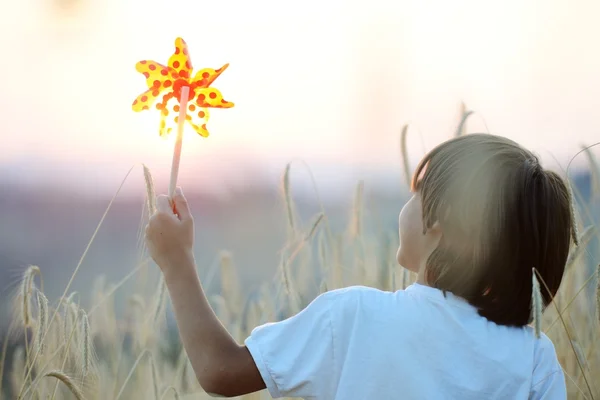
[211, 97]
[165, 111]
[206, 76]
[198, 118]
[157, 75]
[145, 100]
[180, 60]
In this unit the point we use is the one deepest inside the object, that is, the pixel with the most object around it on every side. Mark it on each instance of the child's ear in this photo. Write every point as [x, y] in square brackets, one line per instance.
[436, 228]
[435, 234]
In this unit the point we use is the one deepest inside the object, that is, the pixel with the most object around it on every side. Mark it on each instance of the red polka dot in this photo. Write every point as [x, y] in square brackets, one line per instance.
[144, 99]
[167, 83]
[204, 126]
[192, 107]
[176, 108]
[147, 75]
[185, 51]
[183, 74]
[212, 95]
[188, 65]
[177, 50]
[151, 67]
[145, 108]
[176, 64]
[164, 72]
[223, 101]
[159, 106]
[143, 62]
[155, 93]
[201, 98]
[156, 83]
[205, 75]
[201, 114]
[165, 112]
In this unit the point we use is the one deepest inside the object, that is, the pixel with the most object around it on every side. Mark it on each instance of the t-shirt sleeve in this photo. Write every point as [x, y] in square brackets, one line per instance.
[295, 356]
[548, 378]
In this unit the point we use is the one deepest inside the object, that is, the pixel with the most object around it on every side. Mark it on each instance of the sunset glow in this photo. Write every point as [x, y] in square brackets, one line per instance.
[324, 81]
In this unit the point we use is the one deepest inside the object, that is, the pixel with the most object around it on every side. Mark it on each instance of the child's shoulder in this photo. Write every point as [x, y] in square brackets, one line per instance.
[548, 376]
[358, 293]
[367, 298]
[544, 352]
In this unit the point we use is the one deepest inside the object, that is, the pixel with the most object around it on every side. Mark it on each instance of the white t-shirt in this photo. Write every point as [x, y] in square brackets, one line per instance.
[363, 343]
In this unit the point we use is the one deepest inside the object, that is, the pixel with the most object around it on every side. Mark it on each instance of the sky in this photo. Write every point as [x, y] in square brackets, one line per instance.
[331, 83]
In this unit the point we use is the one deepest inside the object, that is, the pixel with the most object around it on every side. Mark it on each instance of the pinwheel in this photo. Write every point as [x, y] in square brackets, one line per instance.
[179, 97]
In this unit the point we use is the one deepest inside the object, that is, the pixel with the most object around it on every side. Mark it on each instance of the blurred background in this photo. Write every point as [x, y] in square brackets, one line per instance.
[326, 83]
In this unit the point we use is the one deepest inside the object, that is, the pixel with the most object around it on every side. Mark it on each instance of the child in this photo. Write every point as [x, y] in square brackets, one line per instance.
[484, 213]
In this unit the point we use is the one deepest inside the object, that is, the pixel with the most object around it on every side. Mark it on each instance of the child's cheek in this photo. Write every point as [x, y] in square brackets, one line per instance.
[406, 250]
[411, 235]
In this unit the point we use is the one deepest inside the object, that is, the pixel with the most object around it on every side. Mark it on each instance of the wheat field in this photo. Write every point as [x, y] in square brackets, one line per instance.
[72, 352]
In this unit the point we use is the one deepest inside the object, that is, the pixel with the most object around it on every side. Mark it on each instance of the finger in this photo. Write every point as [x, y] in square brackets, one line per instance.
[163, 204]
[181, 205]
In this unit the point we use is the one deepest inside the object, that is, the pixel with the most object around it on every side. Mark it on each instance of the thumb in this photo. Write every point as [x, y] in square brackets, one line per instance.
[182, 209]
[163, 204]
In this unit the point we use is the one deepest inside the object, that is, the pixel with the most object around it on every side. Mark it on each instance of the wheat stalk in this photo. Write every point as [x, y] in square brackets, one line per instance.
[574, 227]
[150, 193]
[230, 287]
[43, 320]
[404, 153]
[594, 169]
[288, 199]
[76, 270]
[160, 299]
[464, 115]
[357, 210]
[155, 381]
[314, 226]
[68, 382]
[536, 303]
[27, 286]
[132, 370]
[576, 252]
[536, 273]
[170, 389]
[86, 343]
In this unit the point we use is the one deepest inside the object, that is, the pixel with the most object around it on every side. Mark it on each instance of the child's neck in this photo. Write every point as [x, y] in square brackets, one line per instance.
[421, 279]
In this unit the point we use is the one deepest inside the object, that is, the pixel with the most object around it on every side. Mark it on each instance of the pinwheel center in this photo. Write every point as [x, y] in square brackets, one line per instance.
[180, 83]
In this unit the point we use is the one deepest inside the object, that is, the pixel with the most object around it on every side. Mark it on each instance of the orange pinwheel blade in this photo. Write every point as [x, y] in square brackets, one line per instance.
[206, 76]
[180, 61]
[211, 97]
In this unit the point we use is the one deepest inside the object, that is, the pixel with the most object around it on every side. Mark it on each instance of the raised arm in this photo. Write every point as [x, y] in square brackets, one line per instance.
[222, 366]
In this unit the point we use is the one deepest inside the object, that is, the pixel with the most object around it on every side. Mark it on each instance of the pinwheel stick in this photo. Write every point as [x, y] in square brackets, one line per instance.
[178, 143]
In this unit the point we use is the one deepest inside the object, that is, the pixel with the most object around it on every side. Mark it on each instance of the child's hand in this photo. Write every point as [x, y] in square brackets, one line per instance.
[170, 233]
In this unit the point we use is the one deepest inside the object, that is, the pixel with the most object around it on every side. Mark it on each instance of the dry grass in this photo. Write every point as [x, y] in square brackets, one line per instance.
[93, 355]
